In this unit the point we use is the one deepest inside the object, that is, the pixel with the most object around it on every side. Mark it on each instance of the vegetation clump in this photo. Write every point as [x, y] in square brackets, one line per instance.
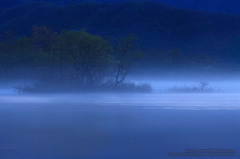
[72, 61]
[201, 87]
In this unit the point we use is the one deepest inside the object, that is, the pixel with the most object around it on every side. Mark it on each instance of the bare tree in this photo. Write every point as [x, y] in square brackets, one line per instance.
[126, 54]
[203, 85]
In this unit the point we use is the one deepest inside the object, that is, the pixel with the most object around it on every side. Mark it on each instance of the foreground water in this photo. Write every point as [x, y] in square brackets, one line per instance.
[104, 126]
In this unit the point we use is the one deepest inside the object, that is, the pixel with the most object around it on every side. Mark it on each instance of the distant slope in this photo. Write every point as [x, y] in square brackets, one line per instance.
[228, 6]
[157, 26]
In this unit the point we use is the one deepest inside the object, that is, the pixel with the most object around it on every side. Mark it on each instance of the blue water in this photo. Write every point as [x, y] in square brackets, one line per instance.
[44, 129]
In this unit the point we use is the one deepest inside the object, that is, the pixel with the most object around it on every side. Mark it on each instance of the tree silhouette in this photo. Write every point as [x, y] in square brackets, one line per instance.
[126, 54]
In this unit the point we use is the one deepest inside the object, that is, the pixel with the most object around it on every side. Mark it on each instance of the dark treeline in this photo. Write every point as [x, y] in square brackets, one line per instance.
[69, 60]
[79, 61]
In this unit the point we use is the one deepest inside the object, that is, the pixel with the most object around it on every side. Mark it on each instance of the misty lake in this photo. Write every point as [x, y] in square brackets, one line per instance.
[119, 79]
[123, 126]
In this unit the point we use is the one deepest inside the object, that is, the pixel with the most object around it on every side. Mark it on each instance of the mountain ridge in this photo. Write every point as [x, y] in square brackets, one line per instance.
[157, 26]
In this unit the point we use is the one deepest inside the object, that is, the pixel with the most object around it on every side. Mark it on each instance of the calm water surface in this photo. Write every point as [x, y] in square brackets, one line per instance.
[117, 126]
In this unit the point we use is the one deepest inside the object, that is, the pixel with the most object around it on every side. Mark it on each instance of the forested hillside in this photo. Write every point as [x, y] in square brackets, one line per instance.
[165, 33]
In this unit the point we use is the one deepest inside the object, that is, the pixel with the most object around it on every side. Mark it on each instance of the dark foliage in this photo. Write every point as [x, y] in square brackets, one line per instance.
[69, 61]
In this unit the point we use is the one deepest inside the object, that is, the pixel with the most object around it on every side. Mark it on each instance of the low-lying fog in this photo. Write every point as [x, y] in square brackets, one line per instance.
[218, 82]
[127, 125]
[224, 93]
[227, 101]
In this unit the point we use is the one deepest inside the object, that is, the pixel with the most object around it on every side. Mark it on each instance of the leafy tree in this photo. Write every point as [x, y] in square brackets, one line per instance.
[25, 52]
[85, 58]
[44, 37]
[88, 54]
[7, 42]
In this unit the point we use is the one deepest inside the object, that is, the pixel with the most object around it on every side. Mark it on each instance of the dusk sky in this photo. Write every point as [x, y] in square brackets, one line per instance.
[229, 6]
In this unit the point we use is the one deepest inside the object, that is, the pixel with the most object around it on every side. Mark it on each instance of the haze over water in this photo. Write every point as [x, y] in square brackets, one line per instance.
[108, 125]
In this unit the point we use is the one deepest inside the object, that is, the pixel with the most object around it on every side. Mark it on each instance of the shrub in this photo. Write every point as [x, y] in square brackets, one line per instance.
[73, 87]
[202, 87]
